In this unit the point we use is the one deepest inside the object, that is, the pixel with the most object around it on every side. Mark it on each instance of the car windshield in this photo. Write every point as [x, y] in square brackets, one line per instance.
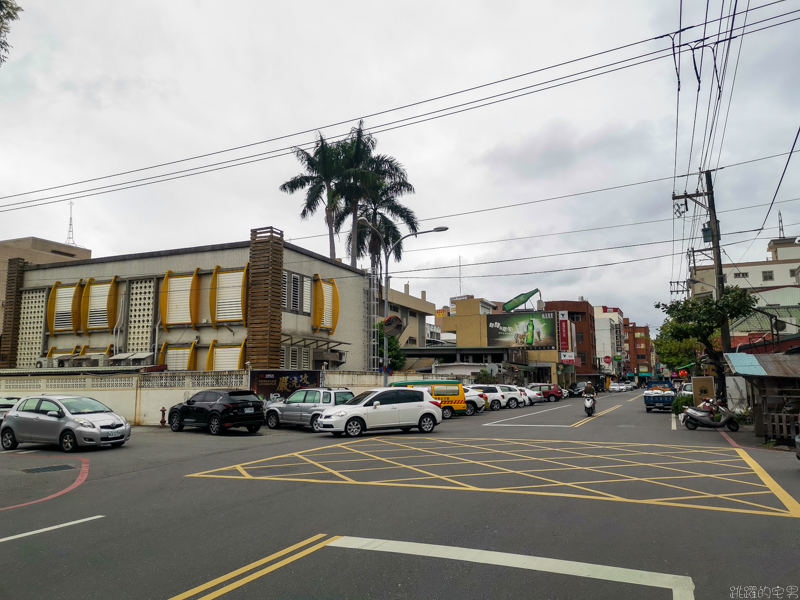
[243, 397]
[363, 396]
[84, 406]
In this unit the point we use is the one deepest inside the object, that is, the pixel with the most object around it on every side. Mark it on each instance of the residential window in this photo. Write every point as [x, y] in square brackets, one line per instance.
[412, 314]
[792, 272]
[394, 308]
[641, 357]
[579, 336]
[412, 341]
[575, 316]
[296, 293]
[767, 275]
[741, 275]
[582, 356]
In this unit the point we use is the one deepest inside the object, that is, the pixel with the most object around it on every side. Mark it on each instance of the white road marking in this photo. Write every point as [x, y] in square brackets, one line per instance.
[527, 414]
[26, 451]
[682, 587]
[674, 422]
[22, 535]
[521, 425]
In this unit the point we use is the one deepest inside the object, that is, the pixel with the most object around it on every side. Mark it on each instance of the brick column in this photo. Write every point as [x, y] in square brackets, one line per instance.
[264, 303]
[11, 313]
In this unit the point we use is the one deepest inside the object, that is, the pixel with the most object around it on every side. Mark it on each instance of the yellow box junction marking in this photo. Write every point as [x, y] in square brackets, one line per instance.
[592, 418]
[703, 477]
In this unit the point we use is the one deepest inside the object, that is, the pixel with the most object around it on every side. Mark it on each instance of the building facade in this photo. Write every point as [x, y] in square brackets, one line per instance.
[610, 341]
[639, 358]
[37, 251]
[581, 313]
[262, 304]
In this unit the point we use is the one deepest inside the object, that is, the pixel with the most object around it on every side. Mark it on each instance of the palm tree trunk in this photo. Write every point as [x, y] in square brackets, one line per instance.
[354, 235]
[329, 221]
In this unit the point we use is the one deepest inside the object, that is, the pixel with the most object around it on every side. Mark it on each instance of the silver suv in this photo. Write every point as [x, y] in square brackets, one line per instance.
[305, 406]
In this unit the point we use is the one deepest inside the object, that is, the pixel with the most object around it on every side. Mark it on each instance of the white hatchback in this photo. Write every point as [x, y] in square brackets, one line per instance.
[383, 408]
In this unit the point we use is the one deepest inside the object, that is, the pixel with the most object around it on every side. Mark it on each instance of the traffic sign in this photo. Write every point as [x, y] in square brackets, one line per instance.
[607, 360]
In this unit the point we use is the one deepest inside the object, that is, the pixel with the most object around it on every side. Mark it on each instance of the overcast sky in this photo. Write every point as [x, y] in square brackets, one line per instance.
[97, 88]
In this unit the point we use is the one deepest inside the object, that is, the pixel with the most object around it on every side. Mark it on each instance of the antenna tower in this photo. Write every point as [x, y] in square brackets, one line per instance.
[780, 225]
[70, 234]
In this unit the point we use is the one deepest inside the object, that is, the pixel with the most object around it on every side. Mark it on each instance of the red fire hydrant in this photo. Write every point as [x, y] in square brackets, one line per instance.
[163, 420]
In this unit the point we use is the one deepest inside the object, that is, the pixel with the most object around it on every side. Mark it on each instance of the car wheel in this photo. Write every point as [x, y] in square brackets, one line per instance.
[175, 422]
[9, 440]
[495, 405]
[253, 428]
[732, 425]
[354, 428]
[512, 403]
[552, 398]
[471, 409]
[315, 424]
[214, 425]
[427, 423]
[447, 412]
[273, 421]
[68, 442]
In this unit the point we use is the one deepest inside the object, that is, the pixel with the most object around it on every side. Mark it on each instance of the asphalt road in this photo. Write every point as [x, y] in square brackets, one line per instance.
[538, 502]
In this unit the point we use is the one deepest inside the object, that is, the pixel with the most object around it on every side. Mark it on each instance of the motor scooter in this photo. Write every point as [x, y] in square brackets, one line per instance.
[589, 404]
[705, 416]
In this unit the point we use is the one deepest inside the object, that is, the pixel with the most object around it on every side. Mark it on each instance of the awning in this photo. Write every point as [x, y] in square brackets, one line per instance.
[288, 339]
[764, 365]
[684, 366]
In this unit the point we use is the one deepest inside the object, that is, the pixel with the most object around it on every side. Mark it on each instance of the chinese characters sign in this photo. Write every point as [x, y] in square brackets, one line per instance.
[536, 329]
[280, 383]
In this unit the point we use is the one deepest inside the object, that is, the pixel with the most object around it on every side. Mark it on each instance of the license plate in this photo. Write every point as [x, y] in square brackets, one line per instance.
[115, 434]
[249, 410]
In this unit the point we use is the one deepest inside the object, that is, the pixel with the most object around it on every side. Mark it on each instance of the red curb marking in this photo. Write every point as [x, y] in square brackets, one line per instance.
[735, 445]
[81, 478]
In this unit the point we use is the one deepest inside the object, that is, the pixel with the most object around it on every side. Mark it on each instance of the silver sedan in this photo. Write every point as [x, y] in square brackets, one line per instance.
[69, 421]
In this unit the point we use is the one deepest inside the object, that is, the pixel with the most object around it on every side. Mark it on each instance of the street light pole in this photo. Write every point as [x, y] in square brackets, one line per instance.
[387, 252]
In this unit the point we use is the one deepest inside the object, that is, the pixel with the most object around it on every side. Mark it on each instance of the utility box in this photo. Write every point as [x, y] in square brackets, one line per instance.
[702, 387]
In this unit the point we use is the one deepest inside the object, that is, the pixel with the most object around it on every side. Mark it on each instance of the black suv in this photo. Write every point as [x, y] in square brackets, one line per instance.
[219, 410]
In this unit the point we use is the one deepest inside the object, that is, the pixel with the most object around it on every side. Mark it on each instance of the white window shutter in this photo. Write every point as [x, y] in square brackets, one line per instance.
[283, 357]
[293, 357]
[307, 295]
[295, 292]
[285, 290]
[306, 358]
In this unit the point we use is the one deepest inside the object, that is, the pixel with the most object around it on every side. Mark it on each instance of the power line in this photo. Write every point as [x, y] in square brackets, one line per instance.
[397, 124]
[378, 113]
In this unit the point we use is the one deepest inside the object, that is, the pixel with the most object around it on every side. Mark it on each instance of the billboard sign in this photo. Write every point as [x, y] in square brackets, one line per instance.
[566, 358]
[536, 329]
[280, 383]
[563, 331]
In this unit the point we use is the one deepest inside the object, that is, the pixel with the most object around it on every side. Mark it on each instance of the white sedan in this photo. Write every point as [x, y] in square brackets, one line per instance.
[383, 408]
[617, 387]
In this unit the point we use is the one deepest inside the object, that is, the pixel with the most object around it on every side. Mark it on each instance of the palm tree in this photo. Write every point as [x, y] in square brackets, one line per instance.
[362, 172]
[383, 210]
[323, 171]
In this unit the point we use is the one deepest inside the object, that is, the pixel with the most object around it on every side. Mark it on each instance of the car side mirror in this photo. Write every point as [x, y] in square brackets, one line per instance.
[54, 413]
[376, 404]
[190, 402]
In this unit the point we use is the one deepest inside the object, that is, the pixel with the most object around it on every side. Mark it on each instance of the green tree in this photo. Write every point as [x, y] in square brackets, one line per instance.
[9, 11]
[363, 172]
[397, 357]
[484, 377]
[675, 353]
[323, 173]
[383, 210]
[700, 318]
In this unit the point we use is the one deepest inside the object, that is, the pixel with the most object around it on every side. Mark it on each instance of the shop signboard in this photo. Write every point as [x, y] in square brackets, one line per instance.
[280, 383]
[617, 357]
[441, 312]
[566, 358]
[533, 329]
[563, 331]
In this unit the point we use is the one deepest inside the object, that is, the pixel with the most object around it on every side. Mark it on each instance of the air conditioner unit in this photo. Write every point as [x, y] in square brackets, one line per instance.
[44, 363]
[81, 361]
[140, 361]
[102, 361]
[62, 363]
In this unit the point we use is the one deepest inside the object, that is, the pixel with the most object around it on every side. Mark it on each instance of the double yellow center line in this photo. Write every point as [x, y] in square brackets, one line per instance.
[253, 576]
[600, 414]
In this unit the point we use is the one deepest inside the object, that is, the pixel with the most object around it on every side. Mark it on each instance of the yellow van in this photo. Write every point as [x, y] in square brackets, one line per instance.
[449, 392]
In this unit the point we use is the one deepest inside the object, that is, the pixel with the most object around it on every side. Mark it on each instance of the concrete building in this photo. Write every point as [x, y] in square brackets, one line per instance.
[414, 313]
[37, 251]
[609, 339]
[780, 270]
[581, 313]
[639, 353]
[262, 303]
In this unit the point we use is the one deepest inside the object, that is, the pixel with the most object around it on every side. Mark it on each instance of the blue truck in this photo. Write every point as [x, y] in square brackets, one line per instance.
[659, 394]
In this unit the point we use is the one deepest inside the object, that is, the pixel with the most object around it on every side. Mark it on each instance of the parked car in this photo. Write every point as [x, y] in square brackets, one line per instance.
[686, 391]
[617, 387]
[659, 394]
[494, 396]
[6, 404]
[449, 393]
[305, 407]
[69, 421]
[383, 408]
[477, 402]
[533, 396]
[218, 410]
[549, 390]
[514, 398]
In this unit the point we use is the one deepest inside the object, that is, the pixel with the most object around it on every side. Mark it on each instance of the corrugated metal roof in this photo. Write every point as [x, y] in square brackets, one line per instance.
[760, 322]
[765, 365]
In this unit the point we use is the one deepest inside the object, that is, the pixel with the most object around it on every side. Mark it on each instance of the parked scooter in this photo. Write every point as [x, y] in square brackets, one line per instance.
[589, 403]
[705, 416]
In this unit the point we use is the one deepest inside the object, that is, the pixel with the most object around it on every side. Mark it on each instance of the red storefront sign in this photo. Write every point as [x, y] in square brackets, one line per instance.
[563, 331]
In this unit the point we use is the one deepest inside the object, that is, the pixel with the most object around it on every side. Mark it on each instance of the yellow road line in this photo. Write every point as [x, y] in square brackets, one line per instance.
[636, 397]
[600, 414]
[788, 501]
[316, 464]
[237, 572]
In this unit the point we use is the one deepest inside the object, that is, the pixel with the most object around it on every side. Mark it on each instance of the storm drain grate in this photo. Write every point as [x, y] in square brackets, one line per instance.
[48, 469]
